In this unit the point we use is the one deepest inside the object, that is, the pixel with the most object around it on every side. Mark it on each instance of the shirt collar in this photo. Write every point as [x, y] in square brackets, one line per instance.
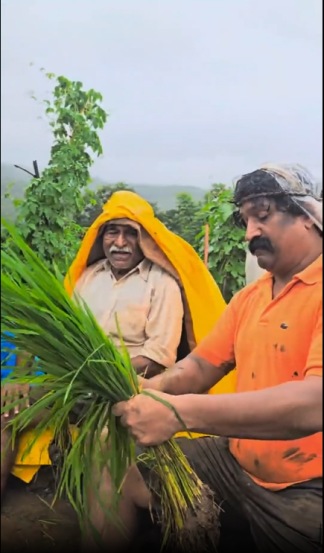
[312, 273]
[309, 275]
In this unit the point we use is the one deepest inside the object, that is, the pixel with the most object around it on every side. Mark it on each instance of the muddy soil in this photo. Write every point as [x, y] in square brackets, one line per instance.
[29, 522]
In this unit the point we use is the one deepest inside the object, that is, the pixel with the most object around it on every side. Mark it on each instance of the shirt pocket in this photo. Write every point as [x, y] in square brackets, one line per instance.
[132, 319]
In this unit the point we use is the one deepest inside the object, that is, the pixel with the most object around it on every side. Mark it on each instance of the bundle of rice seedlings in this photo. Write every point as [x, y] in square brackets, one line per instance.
[79, 361]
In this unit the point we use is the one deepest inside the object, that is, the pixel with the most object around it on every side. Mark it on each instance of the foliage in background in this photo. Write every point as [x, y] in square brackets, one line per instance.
[58, 206]
[185, 220]
[48, 215]
[226, 260]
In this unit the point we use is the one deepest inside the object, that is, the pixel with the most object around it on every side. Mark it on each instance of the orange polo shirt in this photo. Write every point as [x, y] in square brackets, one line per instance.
[273, 341]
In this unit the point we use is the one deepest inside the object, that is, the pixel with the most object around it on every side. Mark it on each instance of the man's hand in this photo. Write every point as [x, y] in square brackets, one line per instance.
[155, 383]
[10, 393]
[148, 420]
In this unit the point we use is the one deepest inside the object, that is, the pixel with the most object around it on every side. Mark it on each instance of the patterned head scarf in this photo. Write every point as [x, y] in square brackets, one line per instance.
[295, 181]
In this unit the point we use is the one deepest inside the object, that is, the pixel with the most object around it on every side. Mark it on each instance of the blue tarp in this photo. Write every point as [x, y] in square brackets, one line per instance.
[8, 356]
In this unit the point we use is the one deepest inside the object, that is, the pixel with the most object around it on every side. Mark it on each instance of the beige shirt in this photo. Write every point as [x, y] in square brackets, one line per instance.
[148, 305]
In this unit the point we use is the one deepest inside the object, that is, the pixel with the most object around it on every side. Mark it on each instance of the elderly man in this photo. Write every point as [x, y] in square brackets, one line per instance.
[136, 277]
[145, 282]
[267, 463]
[127, 291]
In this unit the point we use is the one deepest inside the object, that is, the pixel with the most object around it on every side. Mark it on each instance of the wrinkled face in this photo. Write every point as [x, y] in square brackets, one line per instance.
[278, 239]
[121, 247]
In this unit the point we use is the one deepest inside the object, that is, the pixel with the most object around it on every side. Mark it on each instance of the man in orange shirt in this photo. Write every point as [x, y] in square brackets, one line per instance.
[266, 464]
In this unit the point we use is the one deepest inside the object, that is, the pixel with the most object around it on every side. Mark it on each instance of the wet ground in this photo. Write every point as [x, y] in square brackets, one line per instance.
[29, 522]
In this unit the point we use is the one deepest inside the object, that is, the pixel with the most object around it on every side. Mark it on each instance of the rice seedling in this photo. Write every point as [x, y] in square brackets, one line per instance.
[80, 362]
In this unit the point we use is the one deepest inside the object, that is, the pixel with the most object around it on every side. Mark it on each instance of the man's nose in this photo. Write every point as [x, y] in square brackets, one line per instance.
[252, 230]
[120, 240]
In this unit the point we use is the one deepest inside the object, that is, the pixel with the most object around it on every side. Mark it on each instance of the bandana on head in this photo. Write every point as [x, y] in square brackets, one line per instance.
[296, 182]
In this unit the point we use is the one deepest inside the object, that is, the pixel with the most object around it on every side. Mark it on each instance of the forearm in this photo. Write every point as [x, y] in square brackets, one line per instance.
[146, 367]
[191, 375]
[288, 411]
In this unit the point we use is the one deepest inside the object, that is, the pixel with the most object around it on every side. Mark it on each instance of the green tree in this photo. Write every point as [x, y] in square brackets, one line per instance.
[189, 216]
[168, 218]
[186, 219]
[226, 260]
[54, 201]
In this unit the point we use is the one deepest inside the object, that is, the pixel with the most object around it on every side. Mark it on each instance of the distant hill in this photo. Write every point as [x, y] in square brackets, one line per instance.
[14, 182]
[163, 195]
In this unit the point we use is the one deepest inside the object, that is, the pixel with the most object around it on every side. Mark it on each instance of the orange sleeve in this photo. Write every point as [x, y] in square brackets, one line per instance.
[314, 363]
[218, 346]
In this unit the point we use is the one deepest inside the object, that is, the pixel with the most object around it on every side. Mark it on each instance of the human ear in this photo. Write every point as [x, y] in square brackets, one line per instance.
[308, 223]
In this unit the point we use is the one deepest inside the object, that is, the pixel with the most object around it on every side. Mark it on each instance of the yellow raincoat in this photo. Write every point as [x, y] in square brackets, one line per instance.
[202, 298]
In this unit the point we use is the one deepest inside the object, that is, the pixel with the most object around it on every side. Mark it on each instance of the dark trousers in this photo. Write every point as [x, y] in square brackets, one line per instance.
[253, 518]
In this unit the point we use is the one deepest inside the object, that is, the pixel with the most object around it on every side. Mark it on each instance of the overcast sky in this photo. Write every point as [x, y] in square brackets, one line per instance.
[198, 91]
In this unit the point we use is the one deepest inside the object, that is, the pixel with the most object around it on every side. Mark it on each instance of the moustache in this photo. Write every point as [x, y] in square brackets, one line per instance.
[114, 249]
[260, 243]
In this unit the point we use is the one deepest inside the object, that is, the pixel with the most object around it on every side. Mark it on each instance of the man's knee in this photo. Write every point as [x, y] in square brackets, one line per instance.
[6, 434]
[8, 452]
[136, 489]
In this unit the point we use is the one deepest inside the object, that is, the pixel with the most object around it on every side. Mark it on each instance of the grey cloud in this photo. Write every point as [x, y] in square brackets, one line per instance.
[197, 90]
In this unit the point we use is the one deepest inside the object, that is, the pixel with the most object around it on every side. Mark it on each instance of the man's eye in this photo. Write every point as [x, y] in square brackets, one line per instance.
[263, 217]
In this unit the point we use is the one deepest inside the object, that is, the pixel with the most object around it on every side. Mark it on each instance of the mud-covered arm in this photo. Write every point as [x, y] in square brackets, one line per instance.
[287, 411]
